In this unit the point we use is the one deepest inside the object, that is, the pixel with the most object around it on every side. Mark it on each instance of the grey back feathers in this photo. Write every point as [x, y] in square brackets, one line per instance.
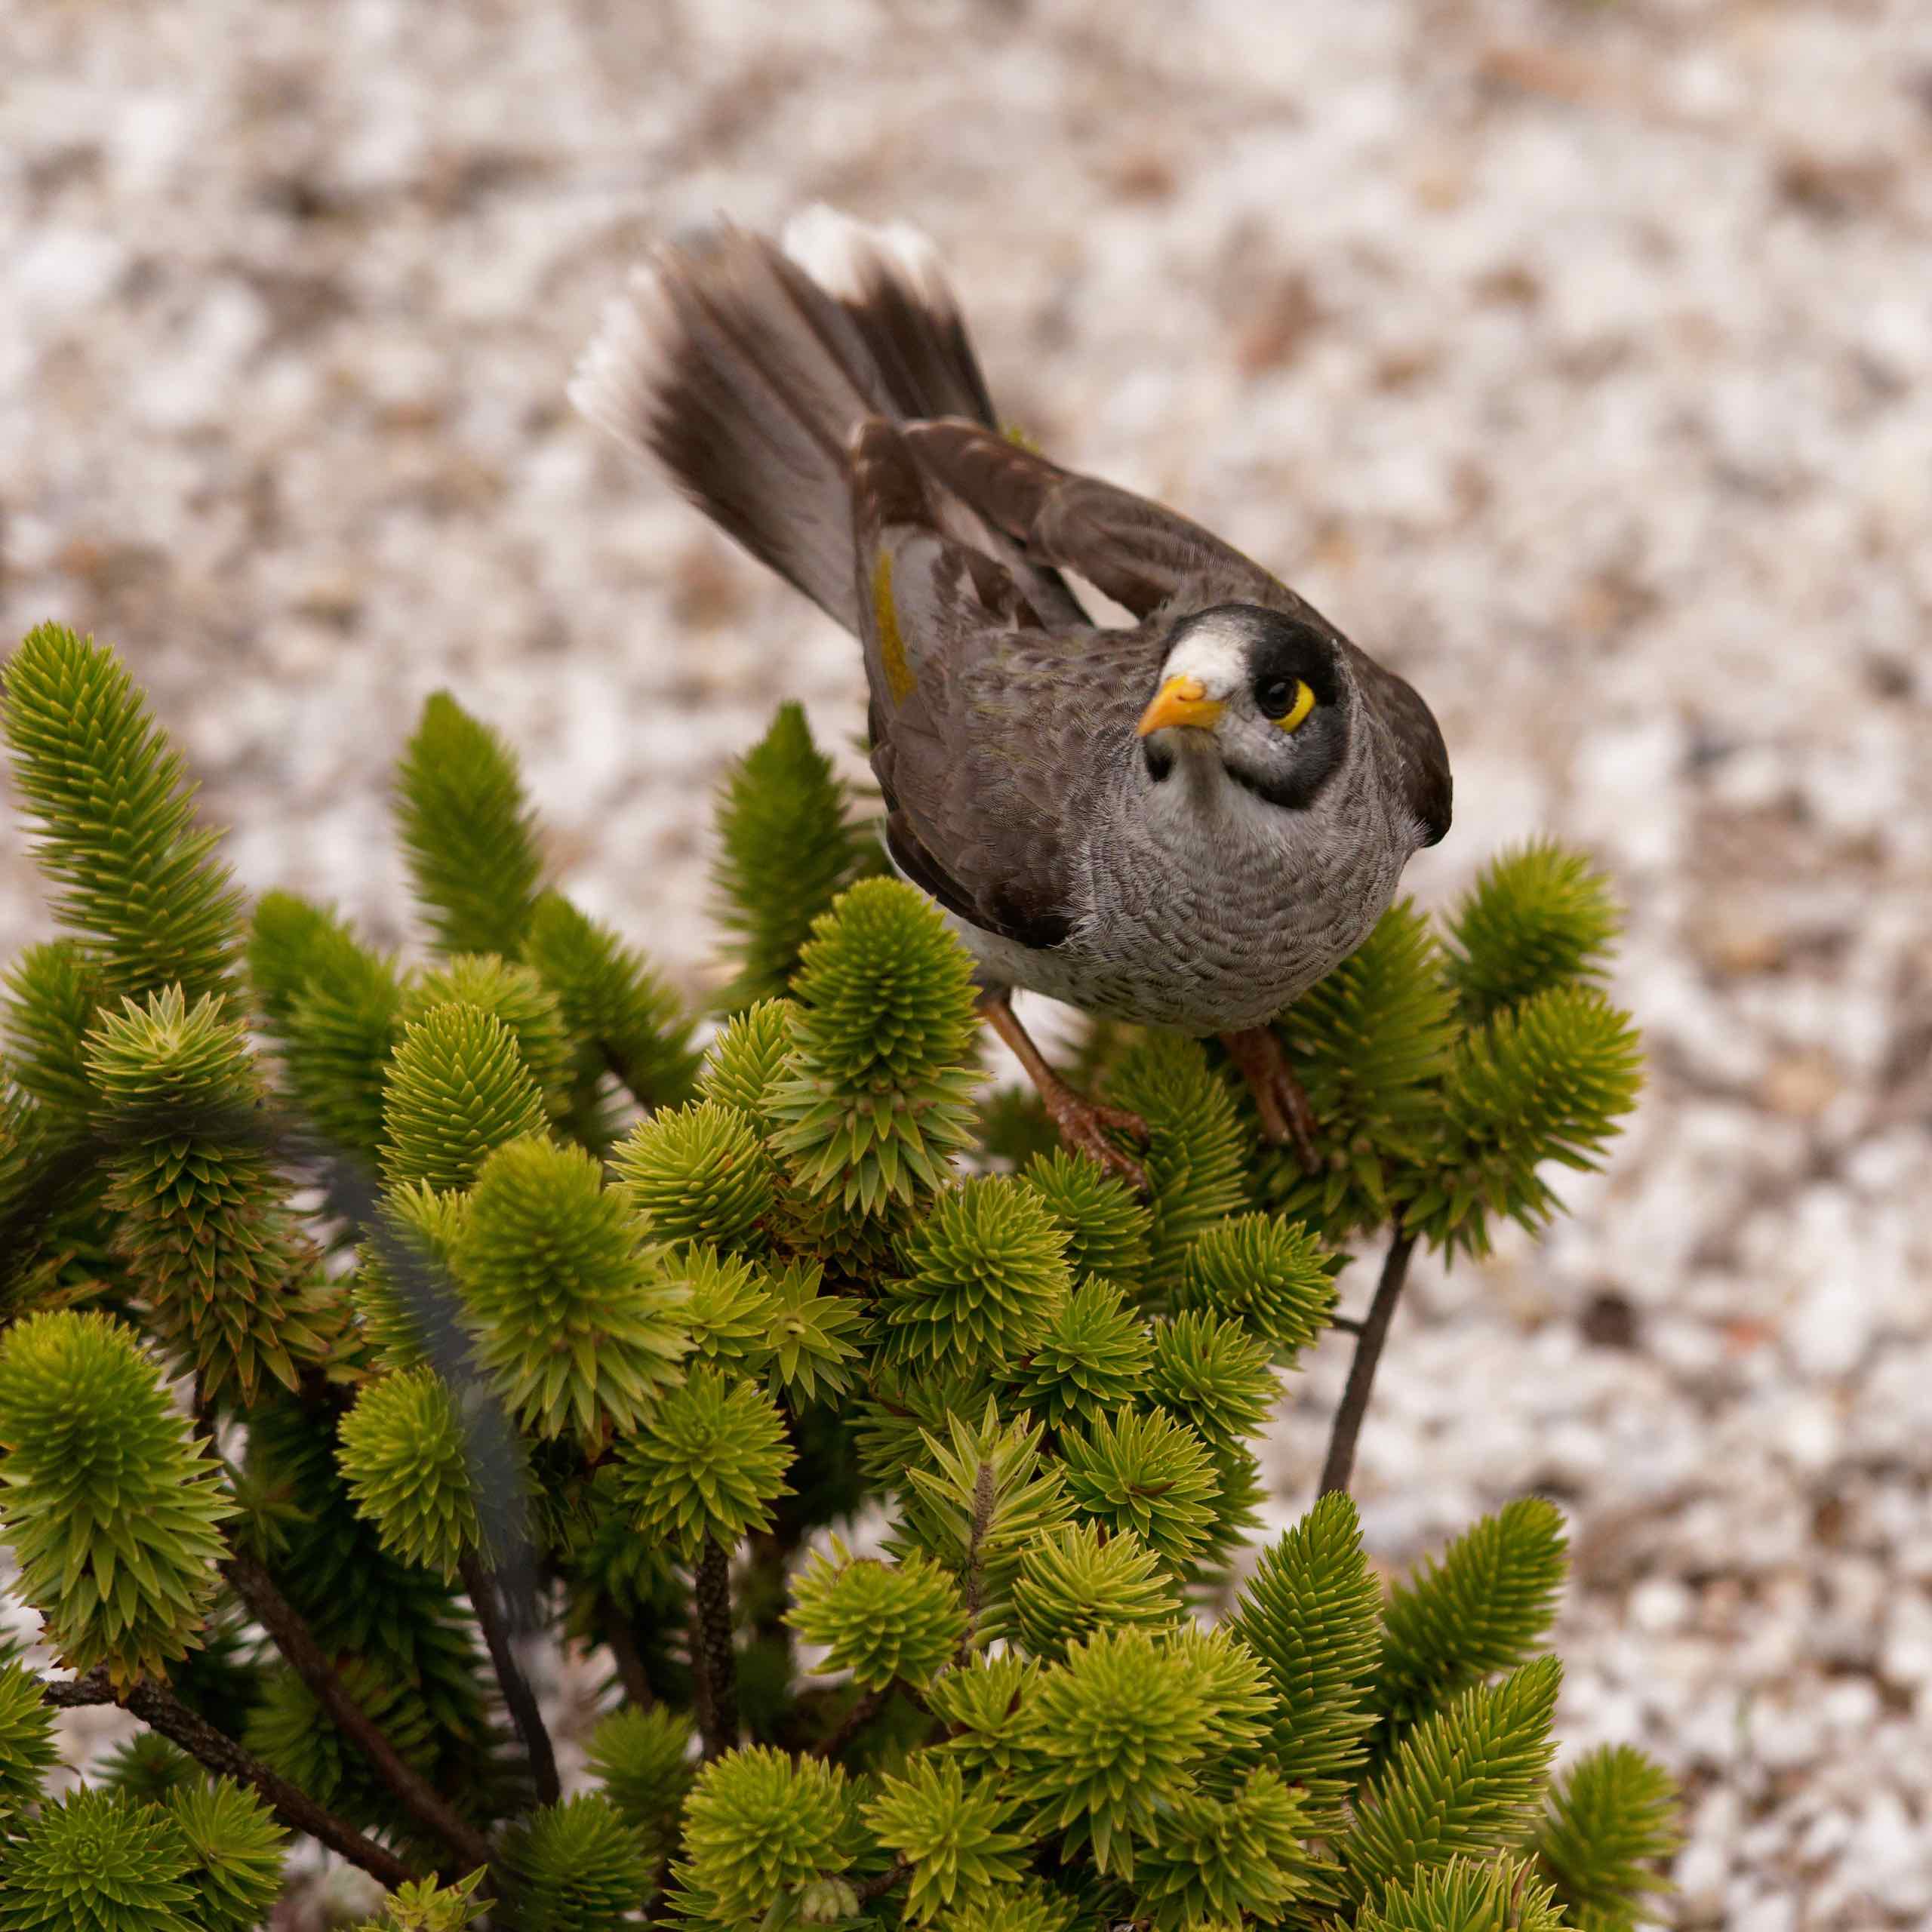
[818, 400]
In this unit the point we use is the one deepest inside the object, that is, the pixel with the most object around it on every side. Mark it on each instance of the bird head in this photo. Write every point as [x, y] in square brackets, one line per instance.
[1259, 693]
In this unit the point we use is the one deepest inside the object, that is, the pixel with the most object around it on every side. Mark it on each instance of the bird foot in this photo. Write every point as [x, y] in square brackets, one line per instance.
[1287, 1119]
[1083, 1124]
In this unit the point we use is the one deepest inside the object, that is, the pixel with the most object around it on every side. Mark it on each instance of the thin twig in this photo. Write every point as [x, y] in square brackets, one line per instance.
[878, 1887]
[985, 1497]
[1347, 1323]
[854, 1720]
[712, 1651]
[486, 1598]
[625, 1654]
[1340, 1463]
[160, 1710]
[296, 1642]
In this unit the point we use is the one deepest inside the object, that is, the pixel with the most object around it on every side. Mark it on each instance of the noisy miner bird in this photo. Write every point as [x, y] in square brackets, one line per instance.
[1186, 823]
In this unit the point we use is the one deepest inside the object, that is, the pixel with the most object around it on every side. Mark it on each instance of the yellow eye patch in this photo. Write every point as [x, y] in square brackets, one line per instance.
[1297, 712]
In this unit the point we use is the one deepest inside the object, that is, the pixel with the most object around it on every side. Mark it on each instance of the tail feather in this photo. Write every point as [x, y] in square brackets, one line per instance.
[743, 370]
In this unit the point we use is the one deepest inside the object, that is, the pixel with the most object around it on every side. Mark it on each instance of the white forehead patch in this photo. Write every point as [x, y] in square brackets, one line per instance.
[1215, 651]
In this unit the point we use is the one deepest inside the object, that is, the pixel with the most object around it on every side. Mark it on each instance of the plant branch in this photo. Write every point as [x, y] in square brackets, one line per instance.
[712, 1652]
[486, 1597]
[296, 1642]
[854, 1720]
[625, 1653]
[1340, 1463]
[877, 1887]
[985, 1497]
[158, 1708]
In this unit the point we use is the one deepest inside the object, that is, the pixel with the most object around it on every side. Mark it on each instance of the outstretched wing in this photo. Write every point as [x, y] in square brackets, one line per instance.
[988, 729]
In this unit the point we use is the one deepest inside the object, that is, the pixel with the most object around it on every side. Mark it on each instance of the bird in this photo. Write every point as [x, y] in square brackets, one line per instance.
[1185, 820]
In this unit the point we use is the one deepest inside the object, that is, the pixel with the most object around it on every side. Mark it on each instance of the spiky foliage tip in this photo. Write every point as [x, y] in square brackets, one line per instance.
[813, 1334]
[1369, 1044]
[52, 991]
[952, 1836]
[1225, 1861]
[643, 1760]
[135, 872]
[1538, 916]
[1094, 1358]
[1080, 1581]
[1149, 1473]
[1113, 1736]
[111, 1505]
[94, 1861]
[785, 850]
[984, 1494]
[760, 1826]
[1266, 1273]
[1213, 1374]
[747, 1061]
[26, 1738]
[403, 1454]
[235, 1846]
[1309, 1613]
[699, 1172]
[422, 1904]
[1470, 1894]
[1547, 1081]
[880, 1621]
[1197, 1147]
[458, 1089]
[986, 1275]
[1605, 1840]
[574, 1320]
[575, 1867]
[1107, 1225]
[467, 831]
[877, 1101]
[1461, 1784]
[223, 1276]
[1481, 1608]
[515, 995]
[710, 1466]
[333, 1009]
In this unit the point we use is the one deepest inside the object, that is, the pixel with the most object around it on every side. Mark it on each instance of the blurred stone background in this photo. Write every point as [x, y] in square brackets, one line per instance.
[1576, 357]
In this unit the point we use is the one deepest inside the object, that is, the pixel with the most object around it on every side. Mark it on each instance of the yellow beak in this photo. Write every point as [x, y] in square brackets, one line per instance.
[1180, 701]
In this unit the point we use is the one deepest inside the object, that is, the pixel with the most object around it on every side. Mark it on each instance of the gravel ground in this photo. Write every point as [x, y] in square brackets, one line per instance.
[1576, 358]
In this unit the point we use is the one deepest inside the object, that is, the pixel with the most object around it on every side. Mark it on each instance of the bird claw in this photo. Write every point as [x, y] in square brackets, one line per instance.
[1287, 1119]
[1083, 1126]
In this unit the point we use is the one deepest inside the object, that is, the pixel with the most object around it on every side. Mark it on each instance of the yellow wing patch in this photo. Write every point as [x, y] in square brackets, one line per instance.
[899, 678]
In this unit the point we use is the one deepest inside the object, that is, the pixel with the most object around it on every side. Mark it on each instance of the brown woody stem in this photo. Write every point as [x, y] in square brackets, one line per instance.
[712, 1652]
[160, 1710]
[296, 1642]
[486, 1598]
[854, 1720]
[1339, 1466]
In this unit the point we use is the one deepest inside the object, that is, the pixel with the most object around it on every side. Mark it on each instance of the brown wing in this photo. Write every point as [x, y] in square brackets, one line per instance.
[1139, 553]
[989, 730]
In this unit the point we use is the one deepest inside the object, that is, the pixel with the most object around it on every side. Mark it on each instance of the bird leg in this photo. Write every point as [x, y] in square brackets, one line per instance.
[1082, 1122]
[1286, 1116]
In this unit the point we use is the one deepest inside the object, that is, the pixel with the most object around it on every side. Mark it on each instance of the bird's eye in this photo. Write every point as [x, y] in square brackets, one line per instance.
[1287, 700]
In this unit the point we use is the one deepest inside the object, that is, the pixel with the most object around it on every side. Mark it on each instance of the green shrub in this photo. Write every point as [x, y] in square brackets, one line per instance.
[495, 1308]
